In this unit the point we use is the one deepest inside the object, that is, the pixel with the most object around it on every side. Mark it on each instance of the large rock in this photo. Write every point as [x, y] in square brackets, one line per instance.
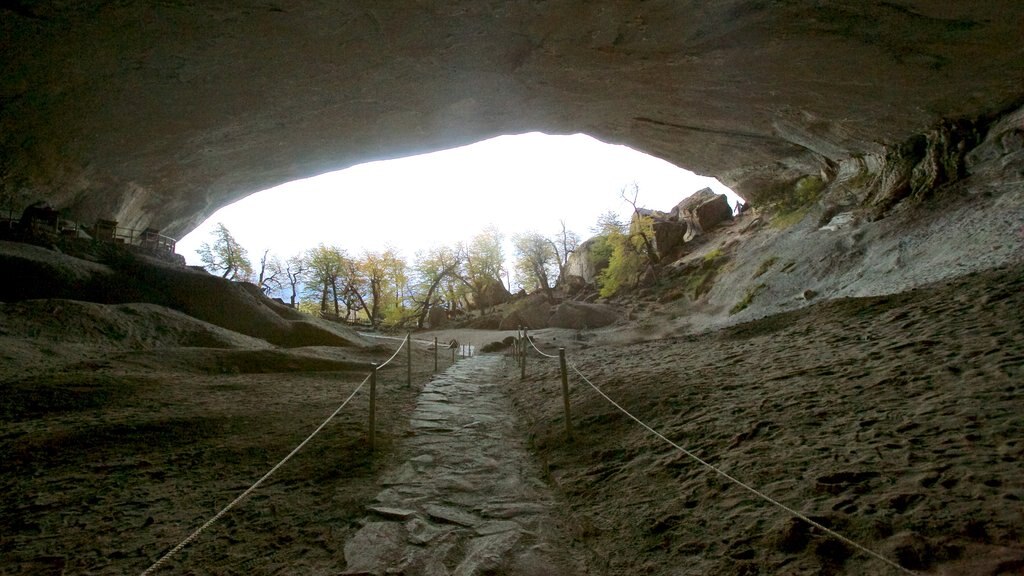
[493, 294]
[157, 114]
[532, 312]
[669, 235]
[702, 211]
[584, 264]
[39, 273]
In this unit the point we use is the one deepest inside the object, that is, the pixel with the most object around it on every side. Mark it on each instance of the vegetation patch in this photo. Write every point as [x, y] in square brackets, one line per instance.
[765, 266]
[792, 208]
[698, 277]
[747, 298]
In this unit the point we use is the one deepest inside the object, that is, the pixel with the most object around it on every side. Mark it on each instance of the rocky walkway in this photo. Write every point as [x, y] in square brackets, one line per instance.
[468, 500]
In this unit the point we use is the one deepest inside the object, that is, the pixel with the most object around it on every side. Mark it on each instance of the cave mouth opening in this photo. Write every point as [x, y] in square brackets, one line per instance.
[515, 183]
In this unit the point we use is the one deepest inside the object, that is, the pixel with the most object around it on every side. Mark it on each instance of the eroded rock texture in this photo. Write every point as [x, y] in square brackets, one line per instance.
[157, 113]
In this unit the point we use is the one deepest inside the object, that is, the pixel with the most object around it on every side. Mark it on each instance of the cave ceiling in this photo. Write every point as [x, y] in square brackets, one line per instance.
[158, 113]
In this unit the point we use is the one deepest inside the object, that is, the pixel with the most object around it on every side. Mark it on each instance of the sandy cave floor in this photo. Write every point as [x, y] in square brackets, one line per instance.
[107, 463]
[895, 420]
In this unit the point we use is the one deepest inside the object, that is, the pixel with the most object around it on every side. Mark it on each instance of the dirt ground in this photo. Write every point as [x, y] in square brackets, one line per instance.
[109, 457]
[894, 420]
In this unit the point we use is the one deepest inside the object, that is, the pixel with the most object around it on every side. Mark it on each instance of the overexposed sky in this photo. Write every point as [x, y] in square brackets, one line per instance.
[517, 183]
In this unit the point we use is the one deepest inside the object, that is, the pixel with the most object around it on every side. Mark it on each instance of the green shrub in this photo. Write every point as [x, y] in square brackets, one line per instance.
[792, 208]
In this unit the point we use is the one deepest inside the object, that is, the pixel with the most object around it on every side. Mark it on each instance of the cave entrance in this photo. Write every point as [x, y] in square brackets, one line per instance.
[517, 184]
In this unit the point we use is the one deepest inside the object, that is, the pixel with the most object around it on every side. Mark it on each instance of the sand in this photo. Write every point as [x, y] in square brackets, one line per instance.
[894, 420]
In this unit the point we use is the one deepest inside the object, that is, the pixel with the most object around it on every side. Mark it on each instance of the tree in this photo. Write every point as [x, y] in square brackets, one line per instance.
[432, 269]
[295, 273]
[483, 259]
[328, 274]
[564, 243]
[631, 246]
[536, 262]
[641, 227]
[624, 264]
[269, 279]
[225, 256]
[379, 285]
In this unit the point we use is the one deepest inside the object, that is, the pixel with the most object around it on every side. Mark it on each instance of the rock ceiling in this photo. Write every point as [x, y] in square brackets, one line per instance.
[157, 113]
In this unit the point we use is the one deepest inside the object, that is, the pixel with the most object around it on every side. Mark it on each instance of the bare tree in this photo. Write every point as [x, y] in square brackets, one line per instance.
[295, 271]
[564, 243]
[641, 226]
[271, 272]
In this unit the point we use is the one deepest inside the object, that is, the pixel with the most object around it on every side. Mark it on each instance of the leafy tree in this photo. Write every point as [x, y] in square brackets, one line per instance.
[328, 272]
[641, 227]
[631, 248]
[536, 262]
[625, 264]
[432, 268]
[379, 283]
[225, 256]
[483, 259]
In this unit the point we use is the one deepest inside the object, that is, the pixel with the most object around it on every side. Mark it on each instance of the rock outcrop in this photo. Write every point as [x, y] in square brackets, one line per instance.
[584, 264]
[157, 114]
[701, 212]
[235, 306]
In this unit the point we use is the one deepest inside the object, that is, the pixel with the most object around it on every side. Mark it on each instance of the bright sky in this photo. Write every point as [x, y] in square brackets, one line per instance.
[518, 183]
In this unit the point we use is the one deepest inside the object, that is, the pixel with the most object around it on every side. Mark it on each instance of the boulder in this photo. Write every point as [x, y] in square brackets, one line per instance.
[669, 236]
[437, 317]
[532, 312]
[702, 211]
[583, 264]
[493, 294]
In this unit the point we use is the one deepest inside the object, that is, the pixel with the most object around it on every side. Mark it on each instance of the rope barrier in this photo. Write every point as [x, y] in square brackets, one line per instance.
[530, 340]
[425, 342]
[243, 495]
[743, 485]
[393, 355]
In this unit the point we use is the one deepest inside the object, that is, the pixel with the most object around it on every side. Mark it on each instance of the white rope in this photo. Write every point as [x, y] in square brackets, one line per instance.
[393, 355]
[747, 487]
[242, 496]
[380, 337]
[530, 340]
[418, 341]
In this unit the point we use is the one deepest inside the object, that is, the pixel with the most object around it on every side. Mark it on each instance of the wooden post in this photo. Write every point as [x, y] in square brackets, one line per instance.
[435, 353]
[565, 393]
[522, 366]
[373, 408]
[408, 360]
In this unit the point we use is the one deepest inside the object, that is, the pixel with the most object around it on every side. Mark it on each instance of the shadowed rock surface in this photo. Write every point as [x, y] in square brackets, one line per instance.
[158, 114]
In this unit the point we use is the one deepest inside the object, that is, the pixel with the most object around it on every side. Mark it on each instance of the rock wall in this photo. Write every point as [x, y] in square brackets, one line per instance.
[156, 114]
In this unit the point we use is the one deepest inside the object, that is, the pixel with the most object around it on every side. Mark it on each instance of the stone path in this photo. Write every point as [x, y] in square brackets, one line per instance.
[469, 499]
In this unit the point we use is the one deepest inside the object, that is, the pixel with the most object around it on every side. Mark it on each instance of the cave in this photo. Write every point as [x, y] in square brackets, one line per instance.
[828, 382]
